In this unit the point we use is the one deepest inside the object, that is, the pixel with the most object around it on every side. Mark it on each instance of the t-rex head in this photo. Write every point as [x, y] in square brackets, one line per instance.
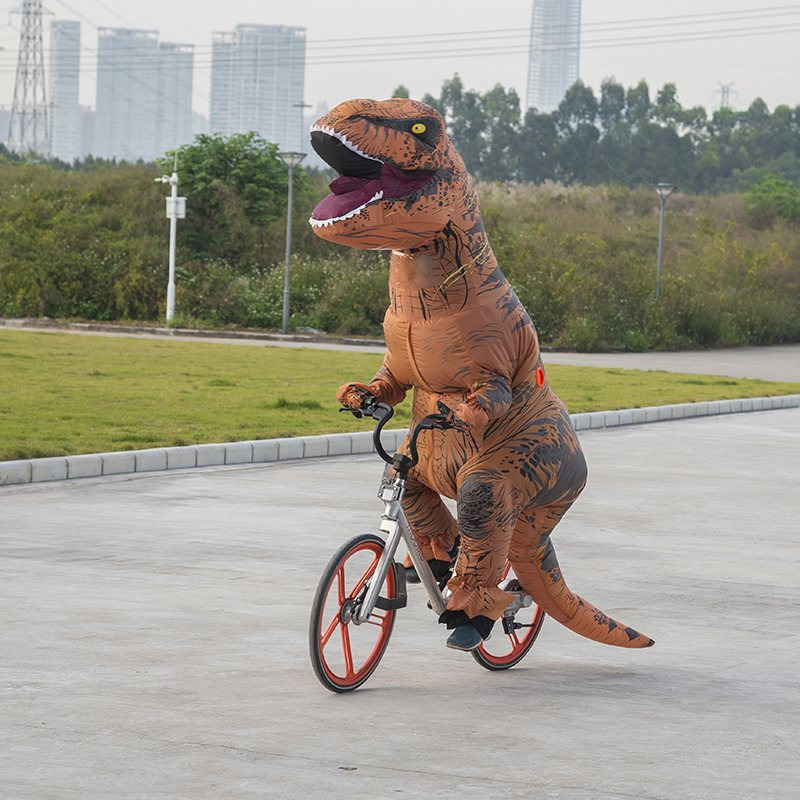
[400, 178]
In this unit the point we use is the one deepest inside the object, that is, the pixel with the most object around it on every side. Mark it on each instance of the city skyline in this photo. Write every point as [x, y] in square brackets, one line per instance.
[336, 57]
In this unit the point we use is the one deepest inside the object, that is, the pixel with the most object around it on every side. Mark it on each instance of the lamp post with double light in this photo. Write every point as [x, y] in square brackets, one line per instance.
[291, 160]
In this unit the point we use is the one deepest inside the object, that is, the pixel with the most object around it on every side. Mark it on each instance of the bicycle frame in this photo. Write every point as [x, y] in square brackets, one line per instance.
[395, 525]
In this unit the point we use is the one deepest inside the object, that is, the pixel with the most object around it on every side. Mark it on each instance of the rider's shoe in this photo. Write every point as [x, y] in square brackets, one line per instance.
[411, 575]
[464, 637]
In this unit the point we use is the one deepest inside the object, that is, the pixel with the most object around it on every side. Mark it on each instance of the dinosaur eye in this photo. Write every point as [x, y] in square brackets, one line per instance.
[418, 127]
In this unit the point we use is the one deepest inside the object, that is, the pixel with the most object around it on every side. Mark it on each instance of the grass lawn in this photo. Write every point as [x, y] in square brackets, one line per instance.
[63, 394]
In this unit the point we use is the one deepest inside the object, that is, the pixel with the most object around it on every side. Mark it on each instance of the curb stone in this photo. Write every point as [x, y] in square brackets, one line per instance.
[37, 470]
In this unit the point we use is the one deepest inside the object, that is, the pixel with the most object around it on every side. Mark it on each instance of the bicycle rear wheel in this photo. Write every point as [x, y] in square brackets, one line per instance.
[344, 654]
[505, 649]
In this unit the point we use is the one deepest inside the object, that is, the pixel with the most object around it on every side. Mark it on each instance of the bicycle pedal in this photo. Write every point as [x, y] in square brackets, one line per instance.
[401, 596]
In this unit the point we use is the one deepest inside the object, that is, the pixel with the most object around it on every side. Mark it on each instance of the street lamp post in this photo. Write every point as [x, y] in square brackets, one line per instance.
[291, 160]
[664, 190]
[176, 209]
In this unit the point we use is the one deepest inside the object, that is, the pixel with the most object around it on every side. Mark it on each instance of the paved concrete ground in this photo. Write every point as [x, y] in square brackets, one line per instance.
[153, 642]
[776, 363]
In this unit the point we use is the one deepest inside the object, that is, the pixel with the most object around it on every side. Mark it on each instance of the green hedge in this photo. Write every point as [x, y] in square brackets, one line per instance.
[92, 244]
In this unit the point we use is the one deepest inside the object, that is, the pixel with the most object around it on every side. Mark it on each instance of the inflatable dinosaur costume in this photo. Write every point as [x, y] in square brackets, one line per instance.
[456, 332]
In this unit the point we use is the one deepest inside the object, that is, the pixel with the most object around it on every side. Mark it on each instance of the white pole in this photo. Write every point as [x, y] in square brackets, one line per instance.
[285, 325]
[173, 230]
[660, 247]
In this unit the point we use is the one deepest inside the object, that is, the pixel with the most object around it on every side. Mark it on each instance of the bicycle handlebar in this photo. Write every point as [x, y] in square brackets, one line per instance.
[383, 412]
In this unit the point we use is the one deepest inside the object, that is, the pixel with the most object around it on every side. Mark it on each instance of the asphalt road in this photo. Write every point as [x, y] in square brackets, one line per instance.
[153, 642]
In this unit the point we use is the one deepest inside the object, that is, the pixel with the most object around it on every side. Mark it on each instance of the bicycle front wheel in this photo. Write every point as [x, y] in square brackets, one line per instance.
[504, 650]
[344, 654]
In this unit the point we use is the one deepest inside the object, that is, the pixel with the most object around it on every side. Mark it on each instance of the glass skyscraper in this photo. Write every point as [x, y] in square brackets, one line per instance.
[554, 55]
[144, 95]
[257, 75]
[65, 48]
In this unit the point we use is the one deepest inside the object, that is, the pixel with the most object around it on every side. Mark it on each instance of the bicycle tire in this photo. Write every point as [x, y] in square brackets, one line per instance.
[519, 647]
[322, 625]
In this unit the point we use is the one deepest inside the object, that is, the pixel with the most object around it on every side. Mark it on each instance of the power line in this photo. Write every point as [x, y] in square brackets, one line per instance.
[506, 33]
[584, 26]
[124, 67]
[495, 50]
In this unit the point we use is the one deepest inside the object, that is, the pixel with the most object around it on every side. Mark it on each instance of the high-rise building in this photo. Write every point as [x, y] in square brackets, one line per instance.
[554, 54]
[257, 75]
[65, 55]
[87, 147]
[224, 84]
[174, 116]
[144, 95]
[5, 123]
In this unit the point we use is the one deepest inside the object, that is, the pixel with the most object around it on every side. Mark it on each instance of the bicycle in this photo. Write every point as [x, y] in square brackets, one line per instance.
[363, 587]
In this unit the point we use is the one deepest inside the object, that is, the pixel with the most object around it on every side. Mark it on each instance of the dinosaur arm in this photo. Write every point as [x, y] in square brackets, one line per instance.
[386, 386]
[488, 399]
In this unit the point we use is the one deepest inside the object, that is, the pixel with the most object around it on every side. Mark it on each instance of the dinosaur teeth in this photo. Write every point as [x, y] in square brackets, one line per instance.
[344, 140]
[322, 223]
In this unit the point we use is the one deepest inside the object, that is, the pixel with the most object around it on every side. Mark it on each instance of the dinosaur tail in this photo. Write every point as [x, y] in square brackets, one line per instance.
[542, 579]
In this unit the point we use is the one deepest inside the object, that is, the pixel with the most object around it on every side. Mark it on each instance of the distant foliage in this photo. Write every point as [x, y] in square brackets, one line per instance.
[621, 136]
[773, 198]
[90, 240]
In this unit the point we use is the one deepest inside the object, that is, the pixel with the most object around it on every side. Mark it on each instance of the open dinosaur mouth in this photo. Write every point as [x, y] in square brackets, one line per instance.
[363, 179]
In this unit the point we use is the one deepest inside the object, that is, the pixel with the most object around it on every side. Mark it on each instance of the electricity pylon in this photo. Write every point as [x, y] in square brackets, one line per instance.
[29, 131]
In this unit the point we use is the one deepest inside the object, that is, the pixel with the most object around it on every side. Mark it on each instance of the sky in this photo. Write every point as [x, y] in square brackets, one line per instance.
[760, 54]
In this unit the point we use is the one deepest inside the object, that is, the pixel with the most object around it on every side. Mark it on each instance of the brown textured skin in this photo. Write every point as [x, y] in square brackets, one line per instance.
[455, 331]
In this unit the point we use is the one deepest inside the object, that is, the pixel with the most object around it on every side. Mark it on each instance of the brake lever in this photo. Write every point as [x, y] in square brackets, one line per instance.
[354, 411]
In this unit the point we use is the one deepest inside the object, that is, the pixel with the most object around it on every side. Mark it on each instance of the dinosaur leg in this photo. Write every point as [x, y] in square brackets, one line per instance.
[534, 561]
[487, 513]
[430, 519]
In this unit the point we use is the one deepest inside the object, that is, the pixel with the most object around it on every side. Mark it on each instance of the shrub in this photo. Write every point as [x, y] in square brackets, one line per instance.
[773, 198]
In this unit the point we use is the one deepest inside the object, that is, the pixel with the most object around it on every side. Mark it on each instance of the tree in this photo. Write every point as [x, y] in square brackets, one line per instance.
[637, 105]
[537, 148]
[501, 112]
[466, 120]
[611, 108]
[575, 120]
[667, 110]
[235, 185]
[401, 91]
